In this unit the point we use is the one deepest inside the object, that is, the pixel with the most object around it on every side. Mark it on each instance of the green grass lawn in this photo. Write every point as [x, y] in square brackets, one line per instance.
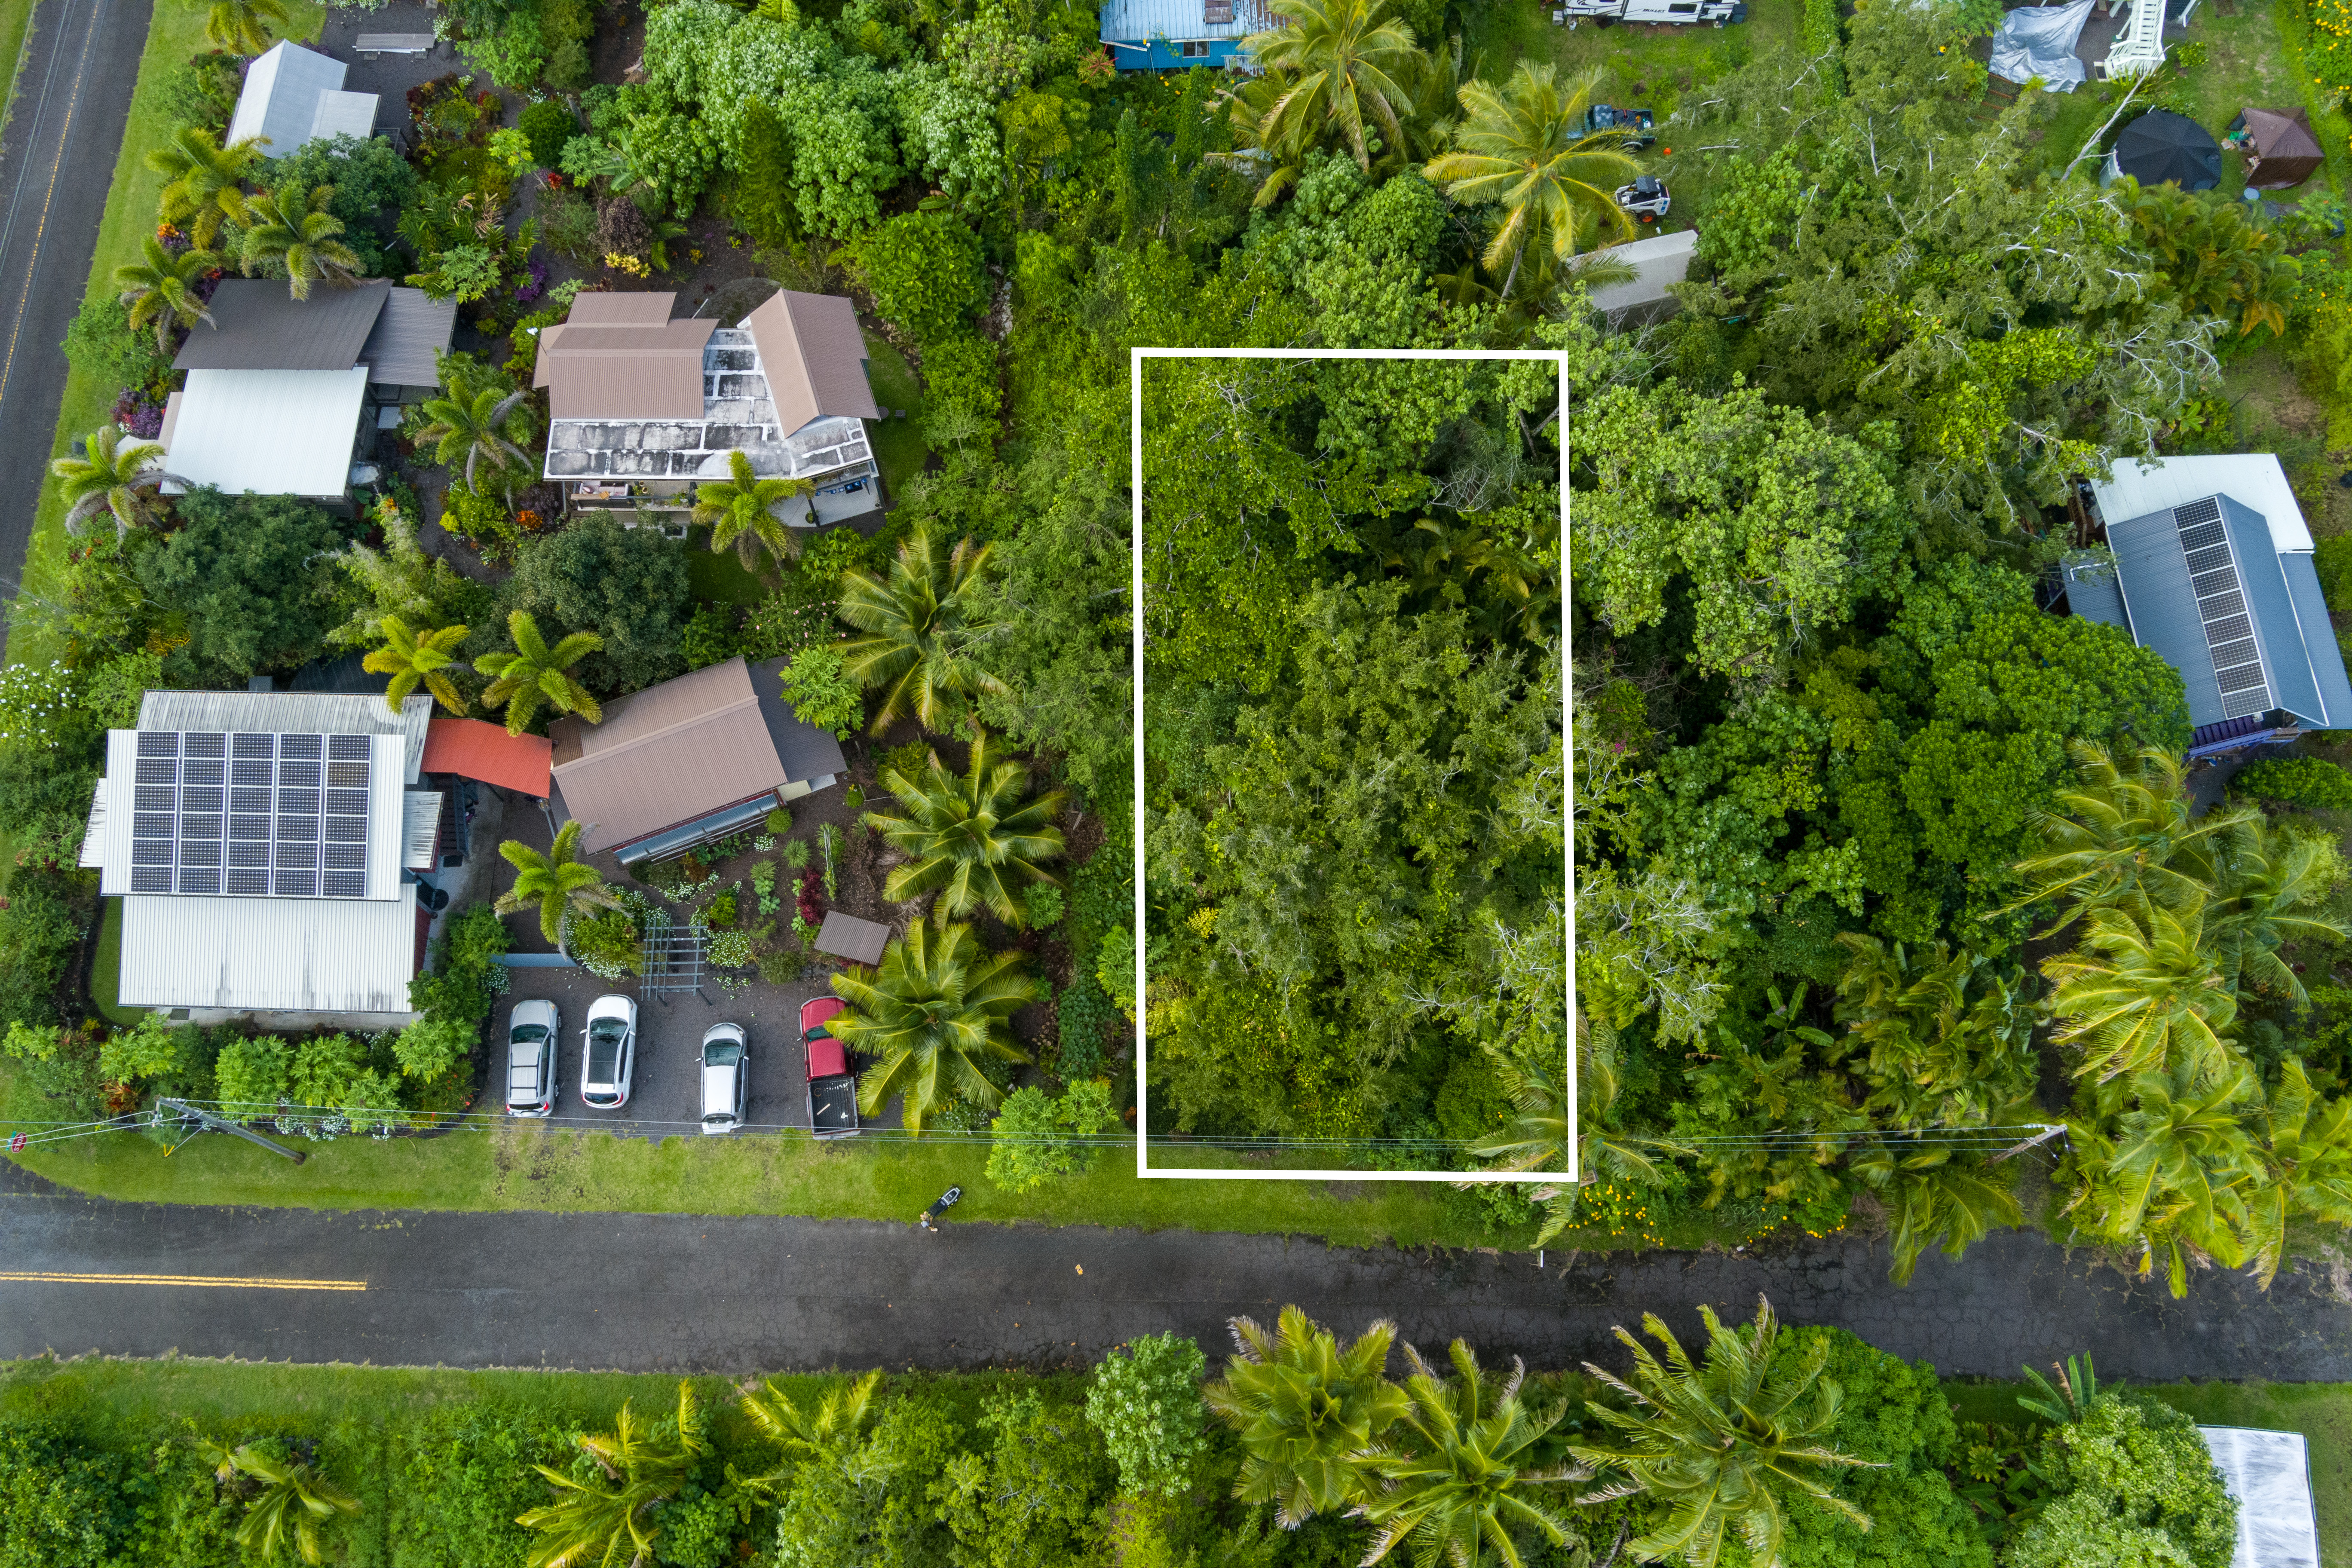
[176, 32]
[718, 577]
[898, 447]
[106, 969]
[2322, 1412]
[15, 25]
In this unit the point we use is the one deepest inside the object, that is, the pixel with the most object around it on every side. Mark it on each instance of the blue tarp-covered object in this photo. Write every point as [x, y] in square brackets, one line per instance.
[2039, 41]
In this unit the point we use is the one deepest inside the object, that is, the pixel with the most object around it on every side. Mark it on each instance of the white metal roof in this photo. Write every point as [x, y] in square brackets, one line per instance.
[1657, 262]
[294, 713]
[2270, 1475]
[280, 99]
[1127, 19]
[273, 432]
[294, 955]
[420, 828]
[2252, 480]
[343, 114]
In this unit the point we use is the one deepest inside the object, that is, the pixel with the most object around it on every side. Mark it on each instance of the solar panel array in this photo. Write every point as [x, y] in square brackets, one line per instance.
[248, 815]
[2221, 606]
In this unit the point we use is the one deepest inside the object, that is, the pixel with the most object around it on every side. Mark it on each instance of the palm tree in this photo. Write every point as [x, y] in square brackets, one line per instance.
[2138, 998]
[1948, 1039]
[1343, 60]
[611, 1521]
[828, 1433]
[2258, 883]
[1538, 1137]
[2306, 1156]
[556, 881]
[162, 288]
[206, 180]
[915, 626]
[2122, 826]
[973, 840]
[294, 1501]
[935, 1006]
[238, 25]
[1306, 1410]
[1929, 1195]
[1273, 152]
[741, 512]
[292, 228]
[1721, 1446]
[112, 475]
[475, 424]
[2168, 1183]
[534, 672]
[411, 658]
[1525, 147]
[1458, 1483]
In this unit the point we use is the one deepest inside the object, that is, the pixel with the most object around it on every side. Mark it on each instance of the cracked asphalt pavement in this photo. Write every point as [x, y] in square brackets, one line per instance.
[674, 1292]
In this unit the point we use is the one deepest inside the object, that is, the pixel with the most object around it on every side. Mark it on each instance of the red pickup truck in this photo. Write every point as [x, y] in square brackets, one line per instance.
[832, 1085]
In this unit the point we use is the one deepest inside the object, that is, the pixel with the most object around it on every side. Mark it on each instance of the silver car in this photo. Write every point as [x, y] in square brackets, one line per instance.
[530, 1058]
[726, 1078]
[609, 1057]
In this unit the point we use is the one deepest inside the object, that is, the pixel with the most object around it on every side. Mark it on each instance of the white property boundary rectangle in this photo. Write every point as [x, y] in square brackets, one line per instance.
[1143, 1166]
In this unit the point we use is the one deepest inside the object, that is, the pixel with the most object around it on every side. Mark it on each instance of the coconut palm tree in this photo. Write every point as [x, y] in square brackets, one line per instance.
[930, 1012]
[917, 621]
[292, 228]
[1724, 1445]
[411, 658]
[556, 881]
[113, 476]
[242, 27]
[1524, 147]
[1306, 1410]
[973, 840]
[294, 1501]
[2116, 833]
[1454, 1476]
[475, 424]
[1946, 1037]
[826, 1434]
[1273, 153]
[2137, 998]
[740, 510]
[2171, 1182]
[609, 1519]
[1345, 63]
[2306, 1158]
[1931, 1194]
[534, 672]
[206, 180]
[163, 290]
[2259, 883]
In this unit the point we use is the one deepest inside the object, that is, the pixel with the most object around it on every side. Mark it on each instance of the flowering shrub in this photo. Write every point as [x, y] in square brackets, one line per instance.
[35, 702]
[2327, 54]
[730, 950]
[797, 615]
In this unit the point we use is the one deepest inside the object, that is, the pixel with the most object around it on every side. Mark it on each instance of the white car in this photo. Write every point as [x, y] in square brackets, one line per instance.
[610, 1055]
[726, 1078]
[530, 1058]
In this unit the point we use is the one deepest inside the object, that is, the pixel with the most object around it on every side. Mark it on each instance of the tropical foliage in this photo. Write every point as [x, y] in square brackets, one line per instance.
[935, 1016]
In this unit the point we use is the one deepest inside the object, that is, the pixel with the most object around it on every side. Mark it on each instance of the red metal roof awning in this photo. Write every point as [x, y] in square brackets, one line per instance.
[473, 749]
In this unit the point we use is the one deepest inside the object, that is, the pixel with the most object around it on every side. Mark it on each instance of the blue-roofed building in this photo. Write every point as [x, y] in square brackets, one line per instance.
[1176, 35]
[2211, 565]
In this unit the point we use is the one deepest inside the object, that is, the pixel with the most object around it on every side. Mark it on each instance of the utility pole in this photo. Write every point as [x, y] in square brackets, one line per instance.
[208, 1122]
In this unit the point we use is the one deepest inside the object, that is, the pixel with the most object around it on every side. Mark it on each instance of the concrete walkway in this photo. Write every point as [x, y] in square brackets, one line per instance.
[664, 1292]
[57, 161]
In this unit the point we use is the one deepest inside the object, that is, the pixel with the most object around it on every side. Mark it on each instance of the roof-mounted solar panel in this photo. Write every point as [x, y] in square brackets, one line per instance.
[246, 815]
[2238, 669]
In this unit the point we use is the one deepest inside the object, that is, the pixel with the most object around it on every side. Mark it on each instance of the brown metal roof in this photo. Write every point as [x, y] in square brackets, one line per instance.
[257, 325]
[815, 357]
[619, 356]
[665, 756]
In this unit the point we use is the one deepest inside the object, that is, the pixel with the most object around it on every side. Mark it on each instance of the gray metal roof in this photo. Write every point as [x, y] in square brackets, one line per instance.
[281, 98]
[2092, 593]
[806, 752]
[272, 955]
[291, 713]
[1179, 19]
[737, 415]
[412, 328]
[257, 325]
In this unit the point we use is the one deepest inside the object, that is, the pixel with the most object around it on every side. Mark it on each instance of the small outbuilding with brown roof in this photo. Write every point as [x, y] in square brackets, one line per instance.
[2281, 150]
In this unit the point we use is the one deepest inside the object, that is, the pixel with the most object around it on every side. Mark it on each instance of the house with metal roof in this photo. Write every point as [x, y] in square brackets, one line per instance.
[688, 762]
[2208, 562]
[265, 846]
[293, 96]
[1176, 35]
[642, 407]
[284, 397]
[1658, 263]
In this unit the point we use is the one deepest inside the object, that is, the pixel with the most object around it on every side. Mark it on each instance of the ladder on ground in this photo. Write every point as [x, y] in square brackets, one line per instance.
[673, 956]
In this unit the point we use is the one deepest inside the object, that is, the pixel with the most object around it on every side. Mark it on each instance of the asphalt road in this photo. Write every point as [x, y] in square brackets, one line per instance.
[666, 1292]
[57, 160]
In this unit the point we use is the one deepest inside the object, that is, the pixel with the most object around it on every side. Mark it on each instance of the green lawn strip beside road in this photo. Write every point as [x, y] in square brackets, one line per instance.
[2322, 1412]
[15, 28]
[176, 32]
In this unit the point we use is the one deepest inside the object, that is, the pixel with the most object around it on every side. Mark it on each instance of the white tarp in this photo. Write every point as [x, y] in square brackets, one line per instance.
[2270, 1475]
[2039, 41]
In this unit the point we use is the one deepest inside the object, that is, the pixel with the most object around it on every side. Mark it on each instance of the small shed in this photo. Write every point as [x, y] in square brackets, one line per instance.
[2164, 147]
[1175, 35]
[290, 93]
[2281, 151]
[1658, 262]
[2269, 1474]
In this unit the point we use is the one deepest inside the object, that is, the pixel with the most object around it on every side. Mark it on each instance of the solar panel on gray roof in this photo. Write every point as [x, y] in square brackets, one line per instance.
[2221, 608]
[246, 816]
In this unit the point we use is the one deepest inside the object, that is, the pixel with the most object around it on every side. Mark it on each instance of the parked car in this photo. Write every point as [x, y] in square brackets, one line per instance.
[610, 1056]
[726, 1077]
[532, 1035]
[832, 1085]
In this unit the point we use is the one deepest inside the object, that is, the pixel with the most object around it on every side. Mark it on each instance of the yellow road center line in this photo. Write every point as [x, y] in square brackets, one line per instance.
[43, 1276]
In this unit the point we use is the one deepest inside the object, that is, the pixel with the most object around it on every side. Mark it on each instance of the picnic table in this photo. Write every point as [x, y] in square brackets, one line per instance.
[846, 936]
